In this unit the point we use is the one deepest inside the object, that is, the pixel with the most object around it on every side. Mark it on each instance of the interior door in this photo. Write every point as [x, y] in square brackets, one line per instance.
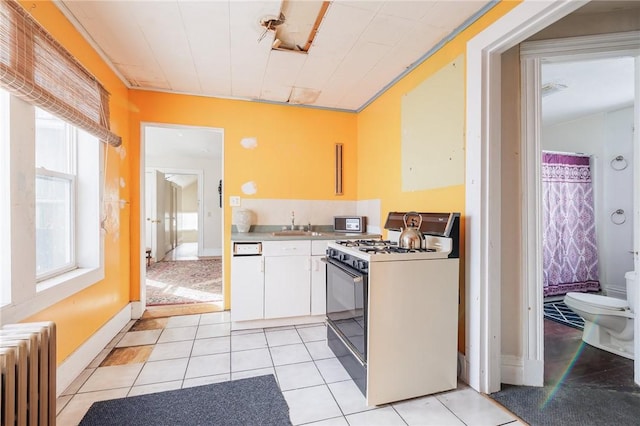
[636, 219]
[155, 188]
[149, 200]
[174, 216]
[167, 216]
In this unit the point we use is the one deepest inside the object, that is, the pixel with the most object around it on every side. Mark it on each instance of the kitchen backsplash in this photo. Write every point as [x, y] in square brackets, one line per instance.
[270, 211]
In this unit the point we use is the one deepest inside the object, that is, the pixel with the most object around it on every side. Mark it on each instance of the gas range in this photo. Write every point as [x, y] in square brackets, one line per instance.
[370, 281]
[378, 250]
[440, 240]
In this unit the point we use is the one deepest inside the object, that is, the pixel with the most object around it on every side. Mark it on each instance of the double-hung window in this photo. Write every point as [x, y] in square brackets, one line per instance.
[52, 170]
[55, 190]
[52, 245]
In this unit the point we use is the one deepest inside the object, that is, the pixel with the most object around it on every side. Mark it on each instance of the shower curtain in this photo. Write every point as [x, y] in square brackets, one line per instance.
[570, 257]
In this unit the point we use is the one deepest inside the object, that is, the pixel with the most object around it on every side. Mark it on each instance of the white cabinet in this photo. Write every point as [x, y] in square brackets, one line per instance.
[286, 283]
[288, 280]
[318, 278]
[247, 288]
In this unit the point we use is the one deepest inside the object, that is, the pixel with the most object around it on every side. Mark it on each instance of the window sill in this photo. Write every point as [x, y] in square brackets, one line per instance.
[52, 291]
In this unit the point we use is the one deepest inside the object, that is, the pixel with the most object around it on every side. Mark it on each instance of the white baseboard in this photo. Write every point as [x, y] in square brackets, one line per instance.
[211, 252]
[620, 293]
[137, 309]
[276, 322]
[512, 370]
[533, 373]
[82, 357]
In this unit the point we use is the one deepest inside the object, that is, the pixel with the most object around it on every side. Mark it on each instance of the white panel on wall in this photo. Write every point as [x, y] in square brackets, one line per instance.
[433, 131]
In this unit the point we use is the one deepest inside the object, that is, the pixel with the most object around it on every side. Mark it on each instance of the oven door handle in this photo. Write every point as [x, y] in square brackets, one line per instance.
[356, 276]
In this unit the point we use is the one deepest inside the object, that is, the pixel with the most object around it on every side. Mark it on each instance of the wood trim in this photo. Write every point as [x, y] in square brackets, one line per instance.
[316, 25]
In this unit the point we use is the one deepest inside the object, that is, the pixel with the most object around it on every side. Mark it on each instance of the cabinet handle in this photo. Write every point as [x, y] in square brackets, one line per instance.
[262, 265]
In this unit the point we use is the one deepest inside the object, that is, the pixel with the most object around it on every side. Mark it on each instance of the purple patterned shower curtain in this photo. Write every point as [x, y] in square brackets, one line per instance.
[570, 256]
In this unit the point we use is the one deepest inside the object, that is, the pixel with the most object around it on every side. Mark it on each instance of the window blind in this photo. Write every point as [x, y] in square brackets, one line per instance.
[38, 69]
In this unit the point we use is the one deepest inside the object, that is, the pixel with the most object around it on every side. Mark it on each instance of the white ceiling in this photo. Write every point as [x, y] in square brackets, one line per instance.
[592, 86]
[211, 47]
[187, 142]
[182, 180]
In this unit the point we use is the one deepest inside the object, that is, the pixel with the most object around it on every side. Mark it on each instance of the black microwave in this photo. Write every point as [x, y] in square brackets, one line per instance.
[350, 224]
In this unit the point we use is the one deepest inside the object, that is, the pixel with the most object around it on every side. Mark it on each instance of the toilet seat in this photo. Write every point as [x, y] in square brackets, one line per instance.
[602, 302]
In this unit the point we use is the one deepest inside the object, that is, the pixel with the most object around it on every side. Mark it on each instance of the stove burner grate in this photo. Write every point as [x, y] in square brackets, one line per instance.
[394, 249]
[364, 243]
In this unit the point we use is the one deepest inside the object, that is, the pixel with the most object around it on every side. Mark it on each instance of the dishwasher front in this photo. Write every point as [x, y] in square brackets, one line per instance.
[247, 281]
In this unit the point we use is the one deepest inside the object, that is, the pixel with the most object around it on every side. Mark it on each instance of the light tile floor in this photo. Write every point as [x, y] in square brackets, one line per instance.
[198, 349]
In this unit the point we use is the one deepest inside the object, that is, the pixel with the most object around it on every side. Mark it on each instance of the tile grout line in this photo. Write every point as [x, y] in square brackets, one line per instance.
[344, 416]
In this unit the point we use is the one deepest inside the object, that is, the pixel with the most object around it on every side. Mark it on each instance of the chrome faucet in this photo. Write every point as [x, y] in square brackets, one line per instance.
[293, 221]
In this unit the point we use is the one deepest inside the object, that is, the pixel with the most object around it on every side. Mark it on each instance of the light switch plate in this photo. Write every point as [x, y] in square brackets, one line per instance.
[234, 201]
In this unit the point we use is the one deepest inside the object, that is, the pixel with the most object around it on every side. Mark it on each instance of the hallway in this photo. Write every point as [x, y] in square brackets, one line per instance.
[184, 251]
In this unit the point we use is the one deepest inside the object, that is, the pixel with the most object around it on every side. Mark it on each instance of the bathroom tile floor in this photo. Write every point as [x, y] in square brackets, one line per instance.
[156, 354]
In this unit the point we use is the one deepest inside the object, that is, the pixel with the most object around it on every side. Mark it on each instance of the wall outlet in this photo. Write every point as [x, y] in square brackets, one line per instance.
[234, 201]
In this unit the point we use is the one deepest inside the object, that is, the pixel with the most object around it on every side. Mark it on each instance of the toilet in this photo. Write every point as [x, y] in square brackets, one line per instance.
[608, 321]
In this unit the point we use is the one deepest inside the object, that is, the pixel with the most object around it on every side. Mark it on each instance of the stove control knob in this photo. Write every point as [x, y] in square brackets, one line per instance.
[358, 264]
[342, 256]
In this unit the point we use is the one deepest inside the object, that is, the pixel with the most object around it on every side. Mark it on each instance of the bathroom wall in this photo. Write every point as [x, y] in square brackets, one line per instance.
[618, 239]
[604, 136]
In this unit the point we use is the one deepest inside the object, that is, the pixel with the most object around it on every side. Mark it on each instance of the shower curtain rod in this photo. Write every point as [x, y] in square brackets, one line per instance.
[577, 154]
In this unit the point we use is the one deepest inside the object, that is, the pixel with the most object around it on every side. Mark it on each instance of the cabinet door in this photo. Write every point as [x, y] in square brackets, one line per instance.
[318, 286]
[318, 277]
[286, 286]
[247, 288]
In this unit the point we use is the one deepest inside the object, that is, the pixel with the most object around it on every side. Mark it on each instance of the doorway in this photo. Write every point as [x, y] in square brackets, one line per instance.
[486, 103]
[185, 231]
[598, 127]
[587, 115]
[183, 217]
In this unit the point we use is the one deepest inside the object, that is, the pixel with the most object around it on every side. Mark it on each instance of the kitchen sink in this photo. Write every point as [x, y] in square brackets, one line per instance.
[296, 233]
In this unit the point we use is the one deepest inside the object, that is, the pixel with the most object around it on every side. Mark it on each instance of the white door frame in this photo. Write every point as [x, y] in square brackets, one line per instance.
[482, 186]
[532, 54]
[636, 220]
[138, 307]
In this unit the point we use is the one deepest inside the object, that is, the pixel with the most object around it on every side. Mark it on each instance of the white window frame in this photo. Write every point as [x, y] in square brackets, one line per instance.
[71, 136]
[5, 226]
[28, 295]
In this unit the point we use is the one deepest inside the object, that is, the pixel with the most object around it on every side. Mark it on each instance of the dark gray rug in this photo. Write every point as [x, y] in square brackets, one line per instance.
[571, 405]
[252, 401]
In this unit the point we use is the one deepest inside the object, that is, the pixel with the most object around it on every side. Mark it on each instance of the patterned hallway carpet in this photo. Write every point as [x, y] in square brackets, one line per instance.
[184, 281]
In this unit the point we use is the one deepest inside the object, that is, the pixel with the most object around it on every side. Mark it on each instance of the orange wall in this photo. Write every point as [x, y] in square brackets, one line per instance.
[80, 316]
[380, 146]
[294, 158]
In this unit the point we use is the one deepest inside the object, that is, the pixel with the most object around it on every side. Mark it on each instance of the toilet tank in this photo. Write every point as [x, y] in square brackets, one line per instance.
[631, 289]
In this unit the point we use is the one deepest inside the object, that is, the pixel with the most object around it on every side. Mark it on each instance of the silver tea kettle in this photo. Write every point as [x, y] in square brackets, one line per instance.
[411, 237]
